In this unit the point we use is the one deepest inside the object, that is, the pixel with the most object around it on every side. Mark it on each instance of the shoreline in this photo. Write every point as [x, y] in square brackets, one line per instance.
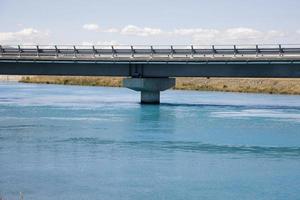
[241, 85]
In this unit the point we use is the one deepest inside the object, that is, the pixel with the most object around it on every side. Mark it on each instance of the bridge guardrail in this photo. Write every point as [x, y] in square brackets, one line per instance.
[93, 51]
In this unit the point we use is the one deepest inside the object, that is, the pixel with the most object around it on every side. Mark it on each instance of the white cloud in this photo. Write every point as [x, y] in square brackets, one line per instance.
[237, 36]
[112, 30]
[205, 36]
[137, 31]
[191, 31]
[241, 33]
[24, 36]
[111, 42]
[231, 35]
[198, 35]
[106, 43]
[276, 33]
[91, 27]
[96, 27]
[127, 30]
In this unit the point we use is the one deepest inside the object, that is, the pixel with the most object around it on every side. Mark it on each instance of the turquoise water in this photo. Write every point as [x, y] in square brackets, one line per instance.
[72, 142]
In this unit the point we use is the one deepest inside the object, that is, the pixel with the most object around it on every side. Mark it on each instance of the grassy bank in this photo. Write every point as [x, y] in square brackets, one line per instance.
[76, 80]
[254, 85]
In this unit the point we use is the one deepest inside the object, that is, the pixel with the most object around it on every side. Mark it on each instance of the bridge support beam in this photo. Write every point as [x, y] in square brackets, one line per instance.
[150, 88]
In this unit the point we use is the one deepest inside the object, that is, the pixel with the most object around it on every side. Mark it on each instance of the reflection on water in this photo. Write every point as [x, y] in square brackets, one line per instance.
[72, 142]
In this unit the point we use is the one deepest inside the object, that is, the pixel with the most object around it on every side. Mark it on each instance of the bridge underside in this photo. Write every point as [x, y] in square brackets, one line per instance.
[153, 69]
[151, 77]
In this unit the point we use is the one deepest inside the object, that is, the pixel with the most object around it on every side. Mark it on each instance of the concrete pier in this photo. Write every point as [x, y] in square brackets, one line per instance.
[150, 88]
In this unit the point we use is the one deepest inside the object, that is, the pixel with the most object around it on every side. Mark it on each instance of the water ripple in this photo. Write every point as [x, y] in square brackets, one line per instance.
[261, 113]
[170, 146]
[13, 127]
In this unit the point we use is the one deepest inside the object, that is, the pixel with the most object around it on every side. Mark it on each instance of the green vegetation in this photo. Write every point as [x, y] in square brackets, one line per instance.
[253, 85]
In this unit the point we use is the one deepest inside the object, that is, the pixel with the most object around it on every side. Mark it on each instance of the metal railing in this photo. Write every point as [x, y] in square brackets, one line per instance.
[192, 51]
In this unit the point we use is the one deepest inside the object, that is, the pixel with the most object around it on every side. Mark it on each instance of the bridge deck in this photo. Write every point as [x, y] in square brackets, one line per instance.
[152, 53]
[285, 58]
[137, 61]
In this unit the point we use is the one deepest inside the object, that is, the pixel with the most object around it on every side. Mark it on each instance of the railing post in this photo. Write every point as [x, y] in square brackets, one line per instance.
[37, 51]
[235, 50]
[75, 51]
[257, 50]
[1, 51]
[192, 51]
[132, 51]
[152, 52]
[280, 50]
[214, 50]
[56, 51]
[19, 48]
[94, 51]
[172, 52]
[113, 51]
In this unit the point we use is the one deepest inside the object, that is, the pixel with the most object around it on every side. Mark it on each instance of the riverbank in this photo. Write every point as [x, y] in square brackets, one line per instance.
[10, 78]
[248, 85]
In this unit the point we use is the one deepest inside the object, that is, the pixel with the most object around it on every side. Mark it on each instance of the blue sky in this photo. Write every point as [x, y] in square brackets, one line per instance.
[149, 21]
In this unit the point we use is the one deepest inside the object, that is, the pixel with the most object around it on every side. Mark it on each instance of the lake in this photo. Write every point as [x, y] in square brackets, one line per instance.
[75, 142]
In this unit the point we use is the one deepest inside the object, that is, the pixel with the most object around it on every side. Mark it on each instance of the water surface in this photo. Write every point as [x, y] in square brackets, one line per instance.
[74, 142]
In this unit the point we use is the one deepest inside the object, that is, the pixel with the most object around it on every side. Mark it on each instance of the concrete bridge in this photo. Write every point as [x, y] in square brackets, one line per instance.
[151, 69]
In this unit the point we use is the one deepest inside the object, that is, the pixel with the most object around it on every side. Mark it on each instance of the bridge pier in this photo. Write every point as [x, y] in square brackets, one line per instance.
[150, 88]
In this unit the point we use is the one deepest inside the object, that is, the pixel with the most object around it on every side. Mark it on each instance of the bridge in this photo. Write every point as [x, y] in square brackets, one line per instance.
[151, 69]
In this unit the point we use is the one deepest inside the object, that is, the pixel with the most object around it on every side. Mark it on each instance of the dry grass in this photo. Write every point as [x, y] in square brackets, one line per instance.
[75, 80]
[254, 85]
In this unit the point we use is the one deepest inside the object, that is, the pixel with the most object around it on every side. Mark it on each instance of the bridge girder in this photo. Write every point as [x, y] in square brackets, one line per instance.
[152, 69]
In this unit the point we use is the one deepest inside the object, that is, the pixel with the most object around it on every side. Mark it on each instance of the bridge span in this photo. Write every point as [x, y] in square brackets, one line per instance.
[151, 69]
